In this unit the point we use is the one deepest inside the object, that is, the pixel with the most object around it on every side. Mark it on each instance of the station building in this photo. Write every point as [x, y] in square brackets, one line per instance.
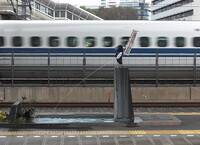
[46, 10]
[175, 10]
[63, 11]
[142, 7]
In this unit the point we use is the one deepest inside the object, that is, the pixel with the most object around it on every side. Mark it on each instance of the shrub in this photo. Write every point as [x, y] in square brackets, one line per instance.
[3, 116]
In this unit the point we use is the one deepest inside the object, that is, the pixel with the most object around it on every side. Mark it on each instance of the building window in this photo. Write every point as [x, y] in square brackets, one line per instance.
[50, 12]
[75, 17]
[57, 14]
[89, 41]
[178, 16]
[37, 6]
[62, 13]
[35, 41]
[72, 41]
[17, 41]
[180, 41]
[174, 5]
[107, 41]
[156, 1]
[144, 41]
[1, 41]
[162, 41]
[196, 41]
[43, 9]
[69, 15]
[124, 41]
[53, 41]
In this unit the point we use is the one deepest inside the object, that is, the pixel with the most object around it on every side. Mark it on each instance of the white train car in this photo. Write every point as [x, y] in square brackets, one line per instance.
[66, 43]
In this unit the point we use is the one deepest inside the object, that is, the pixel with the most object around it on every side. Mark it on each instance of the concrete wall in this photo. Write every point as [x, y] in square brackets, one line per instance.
[58, 94]
[99, 94]
[162, 94]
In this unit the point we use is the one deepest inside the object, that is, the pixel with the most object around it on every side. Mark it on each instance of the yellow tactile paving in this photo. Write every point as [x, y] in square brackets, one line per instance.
[137, 132]
[162, 132]
[187, 132]
[132, 132]
[197, 131]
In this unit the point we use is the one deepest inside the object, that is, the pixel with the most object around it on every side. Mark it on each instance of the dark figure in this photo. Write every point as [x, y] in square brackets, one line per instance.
[119, 53]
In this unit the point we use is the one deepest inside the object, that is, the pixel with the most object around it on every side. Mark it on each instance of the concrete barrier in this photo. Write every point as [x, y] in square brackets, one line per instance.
[161, 94]
[99, 94]
[15, 111]
[195, 94]
[59, 94]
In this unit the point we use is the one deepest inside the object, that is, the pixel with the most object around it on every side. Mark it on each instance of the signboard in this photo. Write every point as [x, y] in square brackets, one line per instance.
[130, 42]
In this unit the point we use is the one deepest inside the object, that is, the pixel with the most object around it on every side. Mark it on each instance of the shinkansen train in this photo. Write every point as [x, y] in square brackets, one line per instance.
[75, 49]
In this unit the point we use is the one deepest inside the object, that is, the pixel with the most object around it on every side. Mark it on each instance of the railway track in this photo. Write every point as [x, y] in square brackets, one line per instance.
[89, 104]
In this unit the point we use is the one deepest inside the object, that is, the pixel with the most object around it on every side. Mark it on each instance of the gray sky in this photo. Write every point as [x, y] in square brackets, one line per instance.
[84, 2]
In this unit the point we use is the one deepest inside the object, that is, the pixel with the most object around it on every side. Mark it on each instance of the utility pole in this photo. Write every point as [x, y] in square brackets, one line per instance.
[24, 5]
[20, 9]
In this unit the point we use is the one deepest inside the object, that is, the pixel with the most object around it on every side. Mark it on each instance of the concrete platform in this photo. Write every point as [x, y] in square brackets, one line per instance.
[187, 133]
[113, 138]
[108, 119]
[88, 121]
[157, 120]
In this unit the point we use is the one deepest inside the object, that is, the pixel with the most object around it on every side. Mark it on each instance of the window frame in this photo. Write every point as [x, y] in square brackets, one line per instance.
[110, 44]
[14, 39]
[86, 43]
[62, 14]
[3, 41]
[194, 43]
[166, 41]
[122, 43]
[67, 41]
[176, 41]
[57, 14]
[31, 41]
[142, 44]
[50, 41]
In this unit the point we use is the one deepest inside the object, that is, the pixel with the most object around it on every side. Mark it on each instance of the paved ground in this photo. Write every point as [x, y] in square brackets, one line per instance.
[188, 133]
[100, 140]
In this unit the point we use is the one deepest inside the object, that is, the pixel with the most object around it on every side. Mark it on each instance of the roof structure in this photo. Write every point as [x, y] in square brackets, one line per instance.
[50, 10]
[75, 11]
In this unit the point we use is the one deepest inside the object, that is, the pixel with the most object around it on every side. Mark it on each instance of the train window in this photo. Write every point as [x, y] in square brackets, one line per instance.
[72, 41]
[17, 41]
[89, 41]
[162, 41]
[35, 41]
[107, 41]
[53, 41]
[124, 41]
[1, 41]
[196, 41]
[180, 41]
[144, 41]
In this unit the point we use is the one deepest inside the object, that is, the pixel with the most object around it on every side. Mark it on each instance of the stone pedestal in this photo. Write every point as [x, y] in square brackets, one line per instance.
[15, 111]
[123, 109]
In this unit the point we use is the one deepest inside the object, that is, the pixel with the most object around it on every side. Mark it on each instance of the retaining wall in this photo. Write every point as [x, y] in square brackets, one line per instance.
[99, 94]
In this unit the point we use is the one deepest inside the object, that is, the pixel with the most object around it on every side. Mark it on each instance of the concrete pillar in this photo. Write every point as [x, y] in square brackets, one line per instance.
[15, 111]
[123, 109]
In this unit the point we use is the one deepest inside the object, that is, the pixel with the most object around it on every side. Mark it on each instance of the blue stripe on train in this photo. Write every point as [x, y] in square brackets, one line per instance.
[97, 50]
